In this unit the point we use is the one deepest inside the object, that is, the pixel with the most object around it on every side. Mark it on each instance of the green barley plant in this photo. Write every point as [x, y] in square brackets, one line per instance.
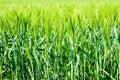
[60, 42]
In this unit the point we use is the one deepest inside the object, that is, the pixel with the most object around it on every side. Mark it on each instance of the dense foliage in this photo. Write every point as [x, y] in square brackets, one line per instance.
[59, 42]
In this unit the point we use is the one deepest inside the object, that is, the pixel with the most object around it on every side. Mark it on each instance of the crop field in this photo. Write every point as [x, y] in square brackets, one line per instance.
[60, 40]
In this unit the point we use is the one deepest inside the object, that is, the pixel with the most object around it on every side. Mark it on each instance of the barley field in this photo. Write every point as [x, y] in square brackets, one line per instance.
[66, 40]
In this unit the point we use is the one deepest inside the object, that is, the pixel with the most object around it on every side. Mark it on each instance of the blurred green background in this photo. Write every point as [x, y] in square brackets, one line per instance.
[57, 1]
